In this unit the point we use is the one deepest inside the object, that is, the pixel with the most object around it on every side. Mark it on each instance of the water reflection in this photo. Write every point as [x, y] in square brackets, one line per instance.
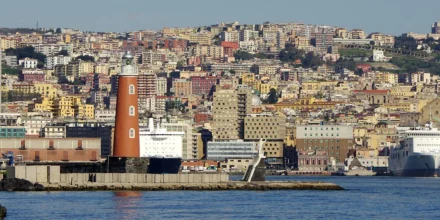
[127, 203]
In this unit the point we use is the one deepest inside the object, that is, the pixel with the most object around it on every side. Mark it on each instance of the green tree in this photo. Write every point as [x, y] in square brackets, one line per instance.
[10, 71]
[24, 52]
[85, 58]
[180, 64]
[408, 43]
[310, 60]
[273, 97]
[58, 31]
[169, 94]
[63, 52]
[63, 80]
[243, 55]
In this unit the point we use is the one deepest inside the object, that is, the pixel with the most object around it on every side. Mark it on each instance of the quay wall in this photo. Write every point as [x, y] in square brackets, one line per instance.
[52, 174]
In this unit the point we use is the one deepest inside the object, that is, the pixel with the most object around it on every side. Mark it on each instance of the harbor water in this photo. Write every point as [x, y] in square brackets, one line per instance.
[364, 198]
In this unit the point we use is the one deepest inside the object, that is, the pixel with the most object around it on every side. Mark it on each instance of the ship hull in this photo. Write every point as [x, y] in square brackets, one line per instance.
[420, 166]
[164, 165]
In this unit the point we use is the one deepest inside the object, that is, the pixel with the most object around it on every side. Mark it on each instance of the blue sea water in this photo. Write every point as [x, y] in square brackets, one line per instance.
[364, 198]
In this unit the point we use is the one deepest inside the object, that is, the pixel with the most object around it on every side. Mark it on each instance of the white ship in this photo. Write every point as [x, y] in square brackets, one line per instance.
[418, 154]
[162, 147]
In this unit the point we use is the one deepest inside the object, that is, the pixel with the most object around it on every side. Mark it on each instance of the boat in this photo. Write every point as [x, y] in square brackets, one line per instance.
[163, 148]
[418, 154]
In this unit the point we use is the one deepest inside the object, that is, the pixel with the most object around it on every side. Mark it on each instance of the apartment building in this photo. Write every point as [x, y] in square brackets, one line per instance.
[52, 61]
[203, 85]
[336, 140]
[229, 110]
[161, 86]
[201, 38]
[231, 36]
[182, 87]
[146, 85]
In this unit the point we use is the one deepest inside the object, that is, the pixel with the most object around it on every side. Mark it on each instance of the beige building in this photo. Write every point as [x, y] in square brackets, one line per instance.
[213, 51]
[161, 86]
[7, 43]
[229, 110]
[201, 38]
[270, 127]
[433, 109]
[182, 87]
[86, 67]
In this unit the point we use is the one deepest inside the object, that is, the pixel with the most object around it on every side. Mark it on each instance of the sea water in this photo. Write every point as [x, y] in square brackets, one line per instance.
[364, 198]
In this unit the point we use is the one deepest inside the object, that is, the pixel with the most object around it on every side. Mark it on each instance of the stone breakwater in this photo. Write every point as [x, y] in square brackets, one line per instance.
[16, 184]
[257, 186]
[3, 212]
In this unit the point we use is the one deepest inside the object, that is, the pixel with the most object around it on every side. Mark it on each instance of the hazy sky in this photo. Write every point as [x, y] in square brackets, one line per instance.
[388, 16]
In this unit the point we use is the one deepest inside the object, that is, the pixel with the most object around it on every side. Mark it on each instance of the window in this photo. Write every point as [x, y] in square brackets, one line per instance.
[131, 133]
[131, 89]
[131, 111]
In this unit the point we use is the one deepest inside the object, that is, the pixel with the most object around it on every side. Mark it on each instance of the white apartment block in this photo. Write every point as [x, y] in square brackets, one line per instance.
[52, 61]
[28, 63]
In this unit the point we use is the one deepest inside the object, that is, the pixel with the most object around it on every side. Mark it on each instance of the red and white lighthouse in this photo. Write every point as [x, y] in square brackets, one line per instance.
[126, 142]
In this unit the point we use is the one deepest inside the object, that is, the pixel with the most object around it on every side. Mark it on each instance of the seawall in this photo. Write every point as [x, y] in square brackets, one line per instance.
[257, 186]
[52, 180]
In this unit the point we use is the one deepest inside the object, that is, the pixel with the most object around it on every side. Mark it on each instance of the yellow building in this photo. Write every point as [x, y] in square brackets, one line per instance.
[405, 106]
[202, 39]
[86, 67]
[23, 88]
[386, 78]
[305, 103]
[46, 105]
[8, 43]
[66, 38]
[265, 87]
[248, 79]
[360, 135]
[102, 68]
[310, 85]
[66, 106]
[46, 90]
[402, 91]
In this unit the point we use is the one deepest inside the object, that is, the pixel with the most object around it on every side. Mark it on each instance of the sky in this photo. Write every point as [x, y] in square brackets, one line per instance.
[386, 16]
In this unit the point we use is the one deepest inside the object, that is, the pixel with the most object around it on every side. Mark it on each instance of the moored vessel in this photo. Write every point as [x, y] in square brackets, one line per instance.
[418, 154]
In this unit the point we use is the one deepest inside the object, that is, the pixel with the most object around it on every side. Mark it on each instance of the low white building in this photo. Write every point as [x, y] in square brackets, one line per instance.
[379, 56]
[52, 61]
[28, 63]
[231, 150]
[106, 115]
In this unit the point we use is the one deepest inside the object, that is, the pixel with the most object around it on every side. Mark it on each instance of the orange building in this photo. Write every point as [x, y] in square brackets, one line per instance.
[126, 143]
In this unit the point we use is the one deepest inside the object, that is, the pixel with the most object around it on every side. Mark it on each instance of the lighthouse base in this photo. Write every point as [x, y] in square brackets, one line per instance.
[127, 164]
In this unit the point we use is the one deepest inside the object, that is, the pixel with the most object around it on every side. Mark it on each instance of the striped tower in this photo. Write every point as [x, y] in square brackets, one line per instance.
[126, 143]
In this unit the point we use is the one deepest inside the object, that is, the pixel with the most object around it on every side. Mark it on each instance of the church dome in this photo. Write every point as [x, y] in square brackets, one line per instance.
[256, 100]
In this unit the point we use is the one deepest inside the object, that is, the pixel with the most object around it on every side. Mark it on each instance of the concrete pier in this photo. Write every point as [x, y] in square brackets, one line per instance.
[232, 185]
[52, 180]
